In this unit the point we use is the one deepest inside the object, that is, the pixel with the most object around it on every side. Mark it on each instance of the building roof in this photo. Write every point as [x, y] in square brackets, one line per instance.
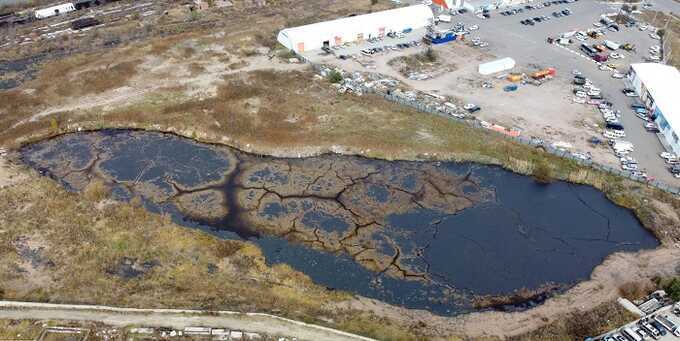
[662, 83]
[411, 16]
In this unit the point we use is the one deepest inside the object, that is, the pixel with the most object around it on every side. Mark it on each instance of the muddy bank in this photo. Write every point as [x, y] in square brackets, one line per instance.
[424, 235]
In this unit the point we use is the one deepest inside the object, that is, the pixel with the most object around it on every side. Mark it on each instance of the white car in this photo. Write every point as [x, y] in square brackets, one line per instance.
[642, 27]
[597, 24]
[473, 27]
[576, 72]
[629, 167]
[579, 100]
[616, 55]
[617, 75]
[654, 36]
[580, 94]
[642, 116]
[469, 106]
[627, 159]
[667, 155]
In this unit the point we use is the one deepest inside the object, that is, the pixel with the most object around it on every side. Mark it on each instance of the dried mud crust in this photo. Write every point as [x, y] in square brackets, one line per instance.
[332, 203]
[342, 205]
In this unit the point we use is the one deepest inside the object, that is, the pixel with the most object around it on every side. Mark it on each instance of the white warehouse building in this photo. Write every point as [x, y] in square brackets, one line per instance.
[658, 86]
[355, 28]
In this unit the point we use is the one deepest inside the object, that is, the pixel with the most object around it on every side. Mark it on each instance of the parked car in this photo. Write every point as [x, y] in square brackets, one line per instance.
[642, 116]
[629, 92]
[667, 155]
[471, 107]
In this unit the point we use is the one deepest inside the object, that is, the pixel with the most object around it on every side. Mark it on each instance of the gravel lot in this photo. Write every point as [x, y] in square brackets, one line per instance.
[546, 111]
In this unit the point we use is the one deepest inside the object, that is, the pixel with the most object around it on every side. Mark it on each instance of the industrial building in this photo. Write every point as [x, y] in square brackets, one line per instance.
[657, 85]
[355, 28]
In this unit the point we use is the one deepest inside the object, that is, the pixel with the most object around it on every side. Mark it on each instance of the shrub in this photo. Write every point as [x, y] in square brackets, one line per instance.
[334, 76]
[635, 290]
[96, 191]
[542, 172]
[430, 55]
[227, 248]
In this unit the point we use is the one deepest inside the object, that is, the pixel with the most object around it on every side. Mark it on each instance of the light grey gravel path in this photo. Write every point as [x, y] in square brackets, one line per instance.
[175, 318]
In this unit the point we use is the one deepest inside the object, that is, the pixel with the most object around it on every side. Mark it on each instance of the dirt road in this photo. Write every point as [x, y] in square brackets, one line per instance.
[174, 318]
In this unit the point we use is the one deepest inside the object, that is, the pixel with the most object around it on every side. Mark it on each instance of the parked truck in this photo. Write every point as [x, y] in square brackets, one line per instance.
[543, 73]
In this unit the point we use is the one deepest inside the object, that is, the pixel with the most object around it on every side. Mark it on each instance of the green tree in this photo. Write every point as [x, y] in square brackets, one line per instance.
[334, 76]
[673, 289]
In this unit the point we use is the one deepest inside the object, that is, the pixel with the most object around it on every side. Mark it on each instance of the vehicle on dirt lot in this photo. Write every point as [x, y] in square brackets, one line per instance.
[642, 116]
[667, 155]
[628, 47]
[617, 75]
[600, 58]
[629, 92]
[599, 47]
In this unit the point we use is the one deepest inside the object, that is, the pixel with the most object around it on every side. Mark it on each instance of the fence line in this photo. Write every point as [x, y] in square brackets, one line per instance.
[426, 108]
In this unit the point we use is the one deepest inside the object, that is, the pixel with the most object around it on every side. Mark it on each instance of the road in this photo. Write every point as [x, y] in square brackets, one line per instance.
[178, 319]
[527, 44]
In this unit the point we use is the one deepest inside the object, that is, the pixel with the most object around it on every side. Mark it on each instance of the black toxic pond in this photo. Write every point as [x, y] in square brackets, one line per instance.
[435, 236]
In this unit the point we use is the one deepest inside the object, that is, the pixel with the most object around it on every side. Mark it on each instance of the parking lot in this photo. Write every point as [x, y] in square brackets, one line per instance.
[649, 325]
[547, 111]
